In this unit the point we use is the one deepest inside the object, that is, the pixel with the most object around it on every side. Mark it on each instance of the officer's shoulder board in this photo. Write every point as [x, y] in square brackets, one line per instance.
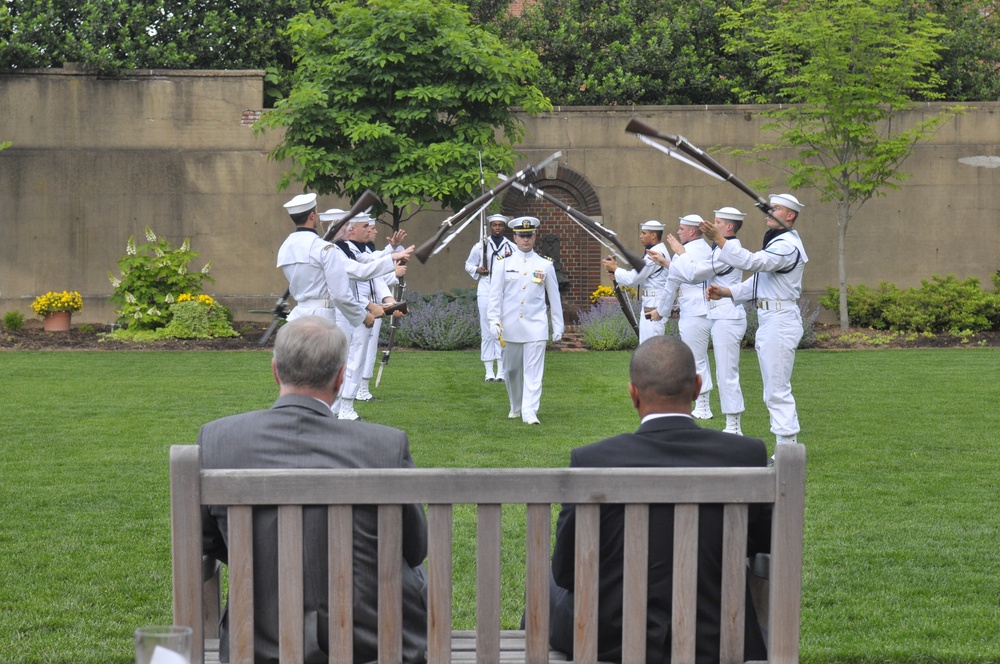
[548, 258]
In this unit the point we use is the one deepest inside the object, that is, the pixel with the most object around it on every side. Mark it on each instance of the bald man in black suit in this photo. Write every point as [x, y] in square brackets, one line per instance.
[663, 384]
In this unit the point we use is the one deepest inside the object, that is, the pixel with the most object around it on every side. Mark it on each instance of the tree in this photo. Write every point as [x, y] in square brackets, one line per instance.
[970, 62]
[848, 69]
[401, 97]
[618, 52]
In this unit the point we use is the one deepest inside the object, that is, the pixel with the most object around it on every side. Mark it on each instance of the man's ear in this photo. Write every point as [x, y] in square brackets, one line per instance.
[634, 394]
[338, 382]
[697, 387]
[274, 370]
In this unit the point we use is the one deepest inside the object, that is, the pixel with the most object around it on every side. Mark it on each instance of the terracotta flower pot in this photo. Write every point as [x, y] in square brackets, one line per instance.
[57, 321]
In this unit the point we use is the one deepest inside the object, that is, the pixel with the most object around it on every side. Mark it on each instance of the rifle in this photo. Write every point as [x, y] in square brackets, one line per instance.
[626, 304]
[587, 223]
[425, 250]
[704, 162]
[484, 232]
[280, 313]
[397, 294]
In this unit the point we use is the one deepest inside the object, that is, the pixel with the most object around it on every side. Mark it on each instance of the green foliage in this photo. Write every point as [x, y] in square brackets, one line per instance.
[440, 321]
[847, 69]
[604, 327]
[865, 306]
[401, 97]
[13, 321]
[971, 50]
[153, 276]
[939, 305]
[114, 35]
[608, 52]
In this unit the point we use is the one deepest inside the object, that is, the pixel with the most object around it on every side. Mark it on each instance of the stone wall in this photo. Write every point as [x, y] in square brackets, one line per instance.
[95, 160]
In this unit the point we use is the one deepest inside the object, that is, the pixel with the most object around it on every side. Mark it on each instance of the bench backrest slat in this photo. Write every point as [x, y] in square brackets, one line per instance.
[390, 584]
[439, 583]
[635, 583]
[538, 540]
[488, 531]
[240, 584]
[340, 562]
[734, 568]
[489, 489]
[585, 582]
[290, 592]
[685, 579]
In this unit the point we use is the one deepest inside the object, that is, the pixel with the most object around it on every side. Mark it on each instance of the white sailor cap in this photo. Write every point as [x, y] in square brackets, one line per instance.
[301, 203]
[691, 220]
[498, 217]
[363, 218]
[730, 213]
[786, 200]
[651, 225]
[333, 214]
[525, 225]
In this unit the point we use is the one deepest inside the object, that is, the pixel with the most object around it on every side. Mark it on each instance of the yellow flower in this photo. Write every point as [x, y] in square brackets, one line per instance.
[51, 302]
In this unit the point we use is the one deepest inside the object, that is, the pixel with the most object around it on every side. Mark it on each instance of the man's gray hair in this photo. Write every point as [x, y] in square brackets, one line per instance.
[663, 366]
[309, 352]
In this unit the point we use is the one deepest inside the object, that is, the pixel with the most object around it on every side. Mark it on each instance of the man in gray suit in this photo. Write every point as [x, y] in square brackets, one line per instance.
[300, 431]
[663, 383]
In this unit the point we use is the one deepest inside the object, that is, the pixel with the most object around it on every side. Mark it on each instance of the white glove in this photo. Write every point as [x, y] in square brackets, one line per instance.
[497, 330]
[556, 337]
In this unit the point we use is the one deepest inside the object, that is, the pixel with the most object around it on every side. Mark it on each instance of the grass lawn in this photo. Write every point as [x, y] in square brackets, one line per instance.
[901, 551]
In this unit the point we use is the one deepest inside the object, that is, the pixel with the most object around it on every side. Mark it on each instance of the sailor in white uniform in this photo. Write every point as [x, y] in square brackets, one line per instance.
[495, 246]
[316, 275]
[776, 287]
[728, 319]
[694, 324]
[649, 281]
[517, 315]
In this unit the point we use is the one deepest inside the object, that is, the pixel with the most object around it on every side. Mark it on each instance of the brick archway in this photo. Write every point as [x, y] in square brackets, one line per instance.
[579, 254]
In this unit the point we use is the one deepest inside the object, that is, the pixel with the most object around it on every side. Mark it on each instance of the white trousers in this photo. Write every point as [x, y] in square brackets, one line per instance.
[489, 345]
[696, 332]
[524, 364]
[778, 335]
[727, 335]
[371, 351]
[650, 328]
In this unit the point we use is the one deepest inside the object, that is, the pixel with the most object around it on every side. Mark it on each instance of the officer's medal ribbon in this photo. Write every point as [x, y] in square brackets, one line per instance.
[538, 276]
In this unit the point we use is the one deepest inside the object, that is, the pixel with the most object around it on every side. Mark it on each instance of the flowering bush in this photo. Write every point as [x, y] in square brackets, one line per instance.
[442, 321]
[608, 291]
[151, 275]
[52, 302]
[604, 327]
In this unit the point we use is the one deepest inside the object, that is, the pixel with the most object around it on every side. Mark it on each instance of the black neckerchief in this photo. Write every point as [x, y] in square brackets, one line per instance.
[370, 246]
[771, 234]
[360, 246]
[346, 248]
[301, 229]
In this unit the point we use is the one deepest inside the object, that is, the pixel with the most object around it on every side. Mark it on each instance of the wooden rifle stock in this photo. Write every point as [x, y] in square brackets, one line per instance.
[279, 313]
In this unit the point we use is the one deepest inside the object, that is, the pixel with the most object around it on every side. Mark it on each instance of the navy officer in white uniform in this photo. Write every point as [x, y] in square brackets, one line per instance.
[517, 315]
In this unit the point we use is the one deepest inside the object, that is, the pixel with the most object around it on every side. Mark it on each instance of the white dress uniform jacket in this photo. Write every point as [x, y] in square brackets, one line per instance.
[776, 286]
[517, 301]
[317, 278]
[650, 281]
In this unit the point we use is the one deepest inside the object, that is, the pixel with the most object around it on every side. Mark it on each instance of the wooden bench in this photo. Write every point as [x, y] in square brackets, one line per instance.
[782, 485]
